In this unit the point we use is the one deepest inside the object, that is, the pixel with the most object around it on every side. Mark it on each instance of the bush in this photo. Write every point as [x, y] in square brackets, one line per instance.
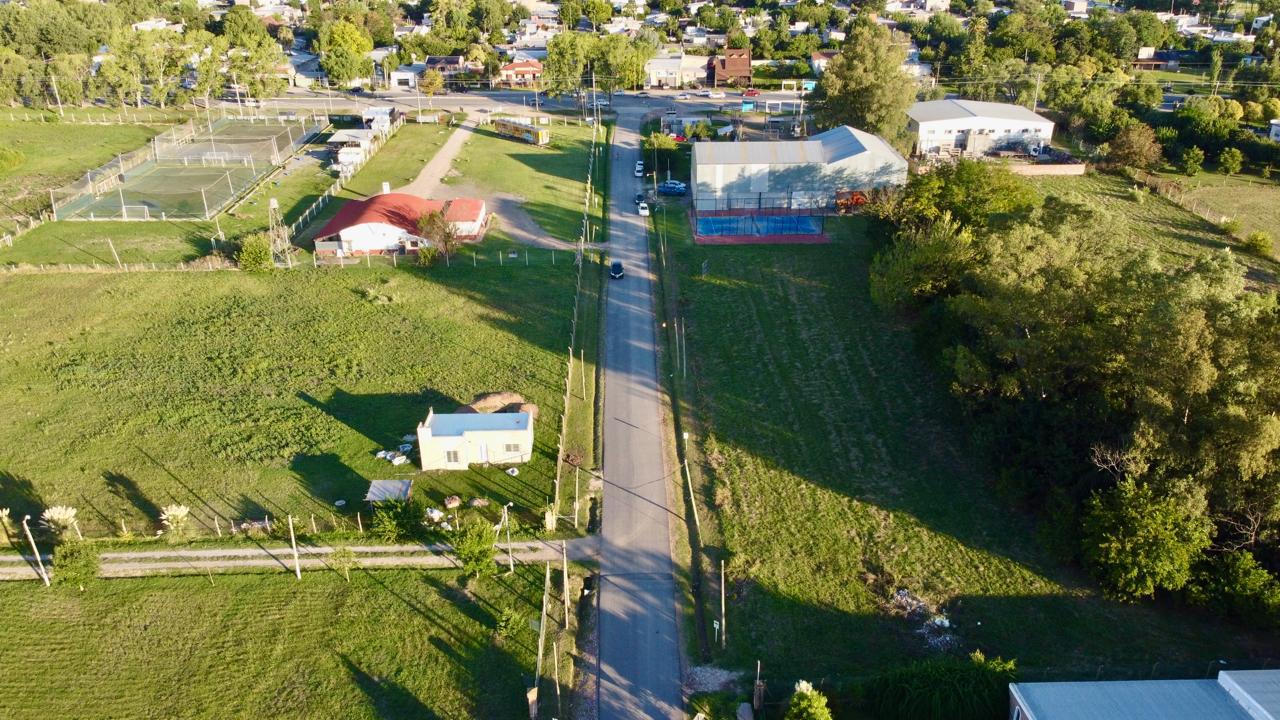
[1192, 161]
[1235, 584]
[1139, 194]
[807, 704]
[1259, 243]
[473, 544]
[427, 255]
[943, 689]
[1230, 226]
[254, 254]
[395, 521]
[715, 706]
[10, 158]
[1230, 161]
[75, 563]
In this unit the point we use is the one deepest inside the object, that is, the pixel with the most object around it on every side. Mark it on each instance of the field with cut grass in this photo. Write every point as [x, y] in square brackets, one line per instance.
[389, 644]
[1157, 223]
[242, 394]
[1254, 201]
[837, 472]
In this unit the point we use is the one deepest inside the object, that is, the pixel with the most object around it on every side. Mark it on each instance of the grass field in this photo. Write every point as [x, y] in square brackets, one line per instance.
[1158, 223]
[244, 394]
[838, 473]
[390, 644]
[54, 154]
[1255, 202]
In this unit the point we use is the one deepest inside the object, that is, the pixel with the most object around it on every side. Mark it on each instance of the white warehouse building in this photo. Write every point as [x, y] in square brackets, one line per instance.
[973, 127]
[792, 174]
[453, 441]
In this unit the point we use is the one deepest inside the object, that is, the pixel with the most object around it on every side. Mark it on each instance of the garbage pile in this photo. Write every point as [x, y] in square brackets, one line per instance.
[399, 456]
[932, 624]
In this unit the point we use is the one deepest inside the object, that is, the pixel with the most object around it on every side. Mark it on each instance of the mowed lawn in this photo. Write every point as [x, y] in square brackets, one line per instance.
[1179, 235]
[241, 394]
[1254, 201]
[54, 154]
[841, 474]
[390, 644]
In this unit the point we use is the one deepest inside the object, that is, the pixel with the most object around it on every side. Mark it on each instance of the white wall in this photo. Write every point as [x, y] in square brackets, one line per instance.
[935, 134]
[488, 446]
[371, 237]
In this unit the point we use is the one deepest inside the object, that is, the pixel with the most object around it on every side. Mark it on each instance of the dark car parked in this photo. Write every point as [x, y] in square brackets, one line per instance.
[672, 187]
[615, 270]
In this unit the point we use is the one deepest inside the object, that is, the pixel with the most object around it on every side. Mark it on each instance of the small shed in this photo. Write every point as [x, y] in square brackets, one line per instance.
[384, 490]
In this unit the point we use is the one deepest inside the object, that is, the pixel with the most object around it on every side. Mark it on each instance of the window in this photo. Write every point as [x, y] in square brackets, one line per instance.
[512, 448]
[451, 456]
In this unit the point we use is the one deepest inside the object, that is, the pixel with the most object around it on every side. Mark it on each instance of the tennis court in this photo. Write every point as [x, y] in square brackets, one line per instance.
[193, 171]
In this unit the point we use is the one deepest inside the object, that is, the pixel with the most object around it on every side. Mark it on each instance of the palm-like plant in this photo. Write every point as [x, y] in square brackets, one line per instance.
[176, 520]
[59, 520]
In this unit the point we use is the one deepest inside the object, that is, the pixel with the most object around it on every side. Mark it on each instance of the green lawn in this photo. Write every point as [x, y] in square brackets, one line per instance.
[1158, 223]
[549, 180]
[242, 394]
[53, 154]
[839, 472]
[1254, 201]
[390, 644]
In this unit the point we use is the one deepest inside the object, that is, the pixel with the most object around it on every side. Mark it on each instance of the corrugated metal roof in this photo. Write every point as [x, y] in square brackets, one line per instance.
[827, 147]
[381, 490]
[1260, 690]
[931, 110]
[1130, 700]
[454, 424]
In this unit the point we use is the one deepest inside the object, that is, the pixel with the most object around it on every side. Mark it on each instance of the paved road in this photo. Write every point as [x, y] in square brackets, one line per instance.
[639, 674]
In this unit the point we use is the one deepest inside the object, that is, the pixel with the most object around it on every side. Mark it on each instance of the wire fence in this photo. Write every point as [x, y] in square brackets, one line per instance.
[1177, 194]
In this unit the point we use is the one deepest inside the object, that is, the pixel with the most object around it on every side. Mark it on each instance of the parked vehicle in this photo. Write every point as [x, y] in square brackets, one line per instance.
[672, 187]
[682, 96]
[639, 198]
[752, 92]
[615, 270]
[639, 168]
[704, 93]
[643, 208]
[716, 95]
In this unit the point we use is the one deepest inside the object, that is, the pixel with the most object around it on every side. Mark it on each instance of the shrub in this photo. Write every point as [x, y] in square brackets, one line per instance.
[510, 621]
[1230, 226]
[10, 158]
[943, 688]
[75, 564]
[254, 254]
[59, 520]
[427, 255]
[1230, 161]
[807, 704]
[8, 527]
[1259, 243]
[1139, 193]
[1266, 172]
[1234, 583]
[343, 559]
[394, 521]
[473, 544]
[1192, 161]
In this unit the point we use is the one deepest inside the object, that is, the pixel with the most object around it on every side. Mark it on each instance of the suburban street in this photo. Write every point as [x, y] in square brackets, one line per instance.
[639, 672]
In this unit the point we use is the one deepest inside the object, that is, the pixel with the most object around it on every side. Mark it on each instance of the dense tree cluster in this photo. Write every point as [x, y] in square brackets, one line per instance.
[577, 59]
[1130, 401]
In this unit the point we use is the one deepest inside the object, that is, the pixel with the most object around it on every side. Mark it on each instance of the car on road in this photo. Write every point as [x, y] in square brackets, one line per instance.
[704, 93]
[615, 269]
[717, 95]
[639, 168]
[642, 94]
[752, 92]
[643, 209]
[619, 92]
[682, 96]
[639, 198]
[672, 187]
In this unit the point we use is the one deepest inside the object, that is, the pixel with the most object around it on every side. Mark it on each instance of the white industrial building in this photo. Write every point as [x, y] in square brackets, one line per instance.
[453, 441]
[973, 127]
[792, 174]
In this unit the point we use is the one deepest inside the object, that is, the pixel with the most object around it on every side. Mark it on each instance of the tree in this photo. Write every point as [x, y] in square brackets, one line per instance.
[241, 27]
[1230, 161]
[434, 228]
[473, 545]
[569, 12]
[1135, 146]
[807, 704]
[343, 559]
[598, 12]
[75, 563]
[1138, 540]
[346, 49]
[431, 82]
[864, 85]
[1192, 161]
[1237, 582]
[659, 141]
[254, 254]
[567, 56]
[284, 36]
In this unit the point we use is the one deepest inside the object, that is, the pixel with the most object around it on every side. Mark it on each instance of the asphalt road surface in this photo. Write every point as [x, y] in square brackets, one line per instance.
[639, 674]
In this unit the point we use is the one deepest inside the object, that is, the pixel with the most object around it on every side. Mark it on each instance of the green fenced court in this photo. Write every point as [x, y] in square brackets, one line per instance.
[192, 171]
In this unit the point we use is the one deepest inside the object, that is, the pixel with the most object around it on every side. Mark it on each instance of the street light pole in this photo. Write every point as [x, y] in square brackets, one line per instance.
[506, 521]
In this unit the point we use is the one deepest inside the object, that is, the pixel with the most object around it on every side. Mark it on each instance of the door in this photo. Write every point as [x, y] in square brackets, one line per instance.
[484, 453]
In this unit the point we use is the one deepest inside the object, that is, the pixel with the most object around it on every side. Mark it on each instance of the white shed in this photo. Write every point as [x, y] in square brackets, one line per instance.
[453, 441]
[973, 126]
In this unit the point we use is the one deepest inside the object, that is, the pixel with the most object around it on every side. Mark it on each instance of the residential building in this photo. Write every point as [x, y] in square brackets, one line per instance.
[1234, 695]
[809, 174]
[732, 67]
[158, 24]
[621, 25]
[819, 59]
[454, 441]
[521, 73]
[1275, 130]
[675, 71]
[388, 224]
[973, 127]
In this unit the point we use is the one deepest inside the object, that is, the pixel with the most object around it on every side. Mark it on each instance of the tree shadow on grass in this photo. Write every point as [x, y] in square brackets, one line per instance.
[19, 494]
[124, 488]
[327, 478]
[383, 418]
[387, 698]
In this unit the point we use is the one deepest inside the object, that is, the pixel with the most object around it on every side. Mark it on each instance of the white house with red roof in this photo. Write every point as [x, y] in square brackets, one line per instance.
[388, 224]
[520, 73]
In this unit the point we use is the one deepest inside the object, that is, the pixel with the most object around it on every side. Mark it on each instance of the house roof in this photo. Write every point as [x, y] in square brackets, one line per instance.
[1258, 691]
[455, 424]
[931, 110]
[529, 64]
[396, 209]
[402, 211]
[381, 490]
[1235, 695]
[831, 146]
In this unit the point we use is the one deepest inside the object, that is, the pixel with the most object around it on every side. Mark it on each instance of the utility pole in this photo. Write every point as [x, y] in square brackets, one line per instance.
[53, 80]
[506, 520]
[297, 567]
[724, 627]
[35, 552]
[1036, 100]
[564, 580]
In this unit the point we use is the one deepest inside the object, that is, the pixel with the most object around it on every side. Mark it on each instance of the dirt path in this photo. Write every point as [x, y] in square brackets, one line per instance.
[427, 183]
[199, 561]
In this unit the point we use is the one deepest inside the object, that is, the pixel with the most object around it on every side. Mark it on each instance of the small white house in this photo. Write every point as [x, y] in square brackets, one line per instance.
[454, 441]
[973, 127]
[1275, 130]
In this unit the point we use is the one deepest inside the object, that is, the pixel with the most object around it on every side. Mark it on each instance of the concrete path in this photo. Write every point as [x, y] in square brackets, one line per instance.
[178, 561]
[639, 664]
[427, 184]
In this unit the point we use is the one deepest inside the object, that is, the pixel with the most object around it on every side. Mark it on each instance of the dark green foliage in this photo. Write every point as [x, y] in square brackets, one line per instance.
[75, 564]
[1234, 582]
[1192, 161]
[473, 544]
[1230, 161]
[396, 521]
[943, 689]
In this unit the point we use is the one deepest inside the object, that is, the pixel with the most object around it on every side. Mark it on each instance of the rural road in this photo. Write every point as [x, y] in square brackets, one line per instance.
[639, 662]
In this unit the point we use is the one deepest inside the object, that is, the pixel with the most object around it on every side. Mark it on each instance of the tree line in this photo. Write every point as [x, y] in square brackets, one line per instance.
[1129, 401]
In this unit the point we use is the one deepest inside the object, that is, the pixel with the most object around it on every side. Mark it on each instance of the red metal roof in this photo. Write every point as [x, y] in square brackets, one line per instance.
[401, 210]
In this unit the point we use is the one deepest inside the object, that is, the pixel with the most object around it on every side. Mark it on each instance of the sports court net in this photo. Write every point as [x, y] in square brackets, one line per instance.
[192, 171]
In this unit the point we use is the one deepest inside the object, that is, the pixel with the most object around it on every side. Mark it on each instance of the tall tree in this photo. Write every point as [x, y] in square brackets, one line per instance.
[864, 85]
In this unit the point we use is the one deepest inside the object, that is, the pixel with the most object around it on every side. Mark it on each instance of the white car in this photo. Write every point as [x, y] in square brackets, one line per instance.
[644, 209]
[639, 168]
[600, 103]
[682, 96]
[704, 93]
[716, 95]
